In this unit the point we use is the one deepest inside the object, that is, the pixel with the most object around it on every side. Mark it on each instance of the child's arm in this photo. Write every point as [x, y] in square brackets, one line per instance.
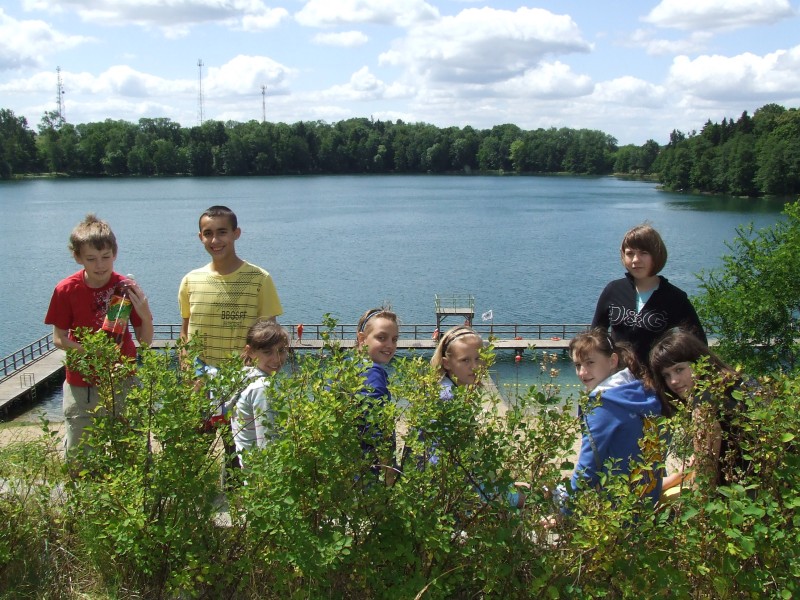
[144, 332]
[62, 340]
[263, 417]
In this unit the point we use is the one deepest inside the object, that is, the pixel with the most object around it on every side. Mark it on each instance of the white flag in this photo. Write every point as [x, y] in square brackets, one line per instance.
[487, 316]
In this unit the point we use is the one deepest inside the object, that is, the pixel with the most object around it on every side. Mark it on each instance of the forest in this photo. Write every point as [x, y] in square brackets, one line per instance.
[751, 156]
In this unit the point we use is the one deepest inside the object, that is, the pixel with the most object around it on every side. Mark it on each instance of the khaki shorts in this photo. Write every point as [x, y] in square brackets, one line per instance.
[80, 408]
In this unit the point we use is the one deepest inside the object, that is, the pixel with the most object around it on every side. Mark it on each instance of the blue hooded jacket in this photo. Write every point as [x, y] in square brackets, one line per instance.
[613, 428]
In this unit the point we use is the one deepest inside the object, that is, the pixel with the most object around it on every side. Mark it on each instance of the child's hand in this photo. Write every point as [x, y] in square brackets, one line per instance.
[139, 302]
[144, 332]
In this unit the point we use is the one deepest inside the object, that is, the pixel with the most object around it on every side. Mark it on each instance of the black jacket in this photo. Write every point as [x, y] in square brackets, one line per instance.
[668, 307]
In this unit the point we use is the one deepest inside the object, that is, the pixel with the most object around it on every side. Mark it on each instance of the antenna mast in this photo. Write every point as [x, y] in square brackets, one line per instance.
[200, 90]
[60, 108]
[263, 104]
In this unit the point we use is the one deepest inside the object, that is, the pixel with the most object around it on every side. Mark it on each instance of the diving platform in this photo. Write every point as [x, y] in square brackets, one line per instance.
[461, 306]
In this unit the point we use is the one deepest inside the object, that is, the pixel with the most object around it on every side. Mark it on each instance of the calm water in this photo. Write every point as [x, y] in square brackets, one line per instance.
[531, 249]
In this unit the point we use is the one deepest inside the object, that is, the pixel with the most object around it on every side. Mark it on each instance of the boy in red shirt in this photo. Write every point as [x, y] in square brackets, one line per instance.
[81, 300]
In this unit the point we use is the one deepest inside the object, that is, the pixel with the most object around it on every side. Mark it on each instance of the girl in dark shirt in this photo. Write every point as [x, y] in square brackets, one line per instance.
[643, 305]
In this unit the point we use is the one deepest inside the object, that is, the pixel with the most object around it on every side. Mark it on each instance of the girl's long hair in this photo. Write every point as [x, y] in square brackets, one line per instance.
[676, 346]
[599, 340]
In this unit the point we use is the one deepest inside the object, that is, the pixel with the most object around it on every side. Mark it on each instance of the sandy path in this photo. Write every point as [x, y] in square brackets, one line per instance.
[22, 431]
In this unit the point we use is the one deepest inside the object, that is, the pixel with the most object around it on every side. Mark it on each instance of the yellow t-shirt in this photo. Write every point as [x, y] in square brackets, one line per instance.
[221, 308]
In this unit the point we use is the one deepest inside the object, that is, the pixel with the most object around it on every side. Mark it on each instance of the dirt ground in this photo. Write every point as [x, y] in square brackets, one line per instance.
[23, 431]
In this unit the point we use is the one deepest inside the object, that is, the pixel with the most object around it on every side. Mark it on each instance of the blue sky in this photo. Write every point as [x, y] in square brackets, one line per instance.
[634, 69]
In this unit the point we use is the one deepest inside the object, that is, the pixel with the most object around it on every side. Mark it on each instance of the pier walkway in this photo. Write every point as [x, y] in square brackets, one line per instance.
[506, 337]
[22, 372]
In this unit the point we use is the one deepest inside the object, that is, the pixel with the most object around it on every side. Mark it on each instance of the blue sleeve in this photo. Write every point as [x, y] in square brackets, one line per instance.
[594, 447]
[376, 383]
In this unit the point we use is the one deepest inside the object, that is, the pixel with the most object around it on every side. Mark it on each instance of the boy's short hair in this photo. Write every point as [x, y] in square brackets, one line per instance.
[218, 211]
[92, 231]
[644, 237]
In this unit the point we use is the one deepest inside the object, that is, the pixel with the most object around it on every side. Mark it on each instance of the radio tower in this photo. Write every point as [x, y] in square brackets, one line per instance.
[200, 90]
[263, 104]
[60, 109]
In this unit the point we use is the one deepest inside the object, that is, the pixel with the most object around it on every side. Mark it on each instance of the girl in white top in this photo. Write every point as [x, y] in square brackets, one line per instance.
[265, 353]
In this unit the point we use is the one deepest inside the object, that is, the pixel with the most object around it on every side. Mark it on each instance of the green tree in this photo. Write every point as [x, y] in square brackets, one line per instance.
[17, 145]
[752, 302]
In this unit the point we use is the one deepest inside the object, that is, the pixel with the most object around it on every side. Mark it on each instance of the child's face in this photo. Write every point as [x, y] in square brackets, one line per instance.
[639, 263]
[679, 379]
[463, 361]
[98, 264]
[218, 237]
[380, 339]
[593, 367]
[270, 360]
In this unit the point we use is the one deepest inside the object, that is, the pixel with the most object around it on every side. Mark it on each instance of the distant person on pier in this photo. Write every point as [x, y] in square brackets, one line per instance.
[221, 300]
[643, 305]
[377, 332]
[618, 416]
[82, 300]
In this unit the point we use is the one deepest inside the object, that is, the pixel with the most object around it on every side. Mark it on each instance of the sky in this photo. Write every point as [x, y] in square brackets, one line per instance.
[634, 69]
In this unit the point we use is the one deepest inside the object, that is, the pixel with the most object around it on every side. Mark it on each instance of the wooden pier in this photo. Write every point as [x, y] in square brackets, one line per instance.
[24, 371]
[26, 381]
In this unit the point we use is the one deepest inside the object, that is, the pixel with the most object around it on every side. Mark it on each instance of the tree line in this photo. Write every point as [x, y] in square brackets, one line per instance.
[752, 156]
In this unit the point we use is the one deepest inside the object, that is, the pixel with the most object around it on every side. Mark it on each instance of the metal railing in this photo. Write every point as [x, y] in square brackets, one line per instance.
[166, 331]
[343, 331]
[14, 362]
[454, 302]
[17, 360]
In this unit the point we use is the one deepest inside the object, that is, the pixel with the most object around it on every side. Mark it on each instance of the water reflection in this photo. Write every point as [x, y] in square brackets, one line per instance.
[731, 204]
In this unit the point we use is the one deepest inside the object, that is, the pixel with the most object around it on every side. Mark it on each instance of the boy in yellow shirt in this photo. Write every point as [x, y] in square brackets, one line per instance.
[221, 300]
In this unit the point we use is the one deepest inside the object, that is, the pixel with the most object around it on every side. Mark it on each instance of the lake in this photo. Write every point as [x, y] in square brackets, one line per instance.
[531, 249]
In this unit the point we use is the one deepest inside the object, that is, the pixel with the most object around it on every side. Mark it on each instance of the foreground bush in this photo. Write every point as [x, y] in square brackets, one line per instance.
[308, 519]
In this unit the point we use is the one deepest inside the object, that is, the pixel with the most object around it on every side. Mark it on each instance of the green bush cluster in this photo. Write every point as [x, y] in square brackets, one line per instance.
[752, 302]
[140, 513]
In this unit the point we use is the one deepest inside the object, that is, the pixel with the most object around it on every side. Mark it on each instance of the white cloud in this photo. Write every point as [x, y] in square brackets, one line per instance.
[173, 16]
[548, 80]
[267, 19]
[644, 38]
[25, 44]
[244, 75]
[125, 82]
[718, 15]
[322, 13]
[630, 92]
[346, 39]
[485, 45]
[364, 85]
[743, 77]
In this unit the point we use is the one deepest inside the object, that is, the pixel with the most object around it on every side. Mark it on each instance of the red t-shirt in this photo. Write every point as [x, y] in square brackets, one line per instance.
[74, 304]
